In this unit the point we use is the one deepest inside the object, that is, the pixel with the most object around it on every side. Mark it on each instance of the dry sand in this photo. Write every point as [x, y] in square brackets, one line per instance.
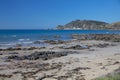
[86, 64]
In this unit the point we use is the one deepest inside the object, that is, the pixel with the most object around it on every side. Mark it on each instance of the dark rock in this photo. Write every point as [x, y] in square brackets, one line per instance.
[6, 76]
[105, 37]
[13, 53]
[57, 36]
[54, 41]
[103, 67]
[80, 36]
[78, 47]
[117, 62]
[31, 48]
[81, 68]
[37, 42]
[1, 53]
[1, 49]
[10, 49]
[13, 57]
[18, 45]
[62, 77]
[91, 49]
[102, 45]
[45, 55]
[17, 49]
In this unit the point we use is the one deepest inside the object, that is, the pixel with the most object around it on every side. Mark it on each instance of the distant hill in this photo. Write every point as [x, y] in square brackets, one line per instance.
[114, 26]
[88, 25]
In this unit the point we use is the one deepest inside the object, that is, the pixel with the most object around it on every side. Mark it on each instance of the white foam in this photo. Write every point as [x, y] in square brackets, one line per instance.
[21, 39]
[27, 39]
[27, 42]
[107, 32]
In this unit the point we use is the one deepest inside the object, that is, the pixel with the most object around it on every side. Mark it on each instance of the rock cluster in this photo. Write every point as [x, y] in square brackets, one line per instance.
[37, 42]
[105, 37]
[50, 36]
[74, 74]
[82, 36]
[44, 55]
[102, 45]
[78, 47]
[55, 41]
[3, 75]
[20, 48]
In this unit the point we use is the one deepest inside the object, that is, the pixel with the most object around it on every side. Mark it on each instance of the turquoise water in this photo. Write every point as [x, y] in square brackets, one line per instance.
[11, 37]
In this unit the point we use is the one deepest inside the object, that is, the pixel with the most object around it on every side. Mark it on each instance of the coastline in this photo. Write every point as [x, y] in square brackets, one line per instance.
[27, 38]
[70, 60]
[59, 40]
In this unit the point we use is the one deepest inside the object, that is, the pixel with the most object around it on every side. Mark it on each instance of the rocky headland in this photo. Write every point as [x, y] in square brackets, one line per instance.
[89, 25]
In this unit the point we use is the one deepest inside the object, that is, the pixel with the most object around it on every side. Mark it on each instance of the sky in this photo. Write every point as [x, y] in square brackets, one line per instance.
[43, 14]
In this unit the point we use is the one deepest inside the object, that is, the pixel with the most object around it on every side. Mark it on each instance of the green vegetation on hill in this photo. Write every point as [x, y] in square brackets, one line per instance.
[89, 25]
[114, 26]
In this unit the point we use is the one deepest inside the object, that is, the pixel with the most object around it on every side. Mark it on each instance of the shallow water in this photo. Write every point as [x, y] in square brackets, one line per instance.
[26, 37]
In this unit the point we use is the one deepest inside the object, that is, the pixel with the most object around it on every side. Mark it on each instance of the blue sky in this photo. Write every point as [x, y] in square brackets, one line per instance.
[39, 14]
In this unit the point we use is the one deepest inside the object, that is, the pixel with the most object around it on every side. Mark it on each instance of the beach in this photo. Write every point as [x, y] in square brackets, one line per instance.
[59, 39]
[74, 59]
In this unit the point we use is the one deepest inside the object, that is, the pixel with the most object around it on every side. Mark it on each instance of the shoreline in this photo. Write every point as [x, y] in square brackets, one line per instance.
[70, 60]
[58, 40]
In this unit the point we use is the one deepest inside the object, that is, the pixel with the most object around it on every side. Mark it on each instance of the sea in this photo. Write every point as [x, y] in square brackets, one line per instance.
[9, 38]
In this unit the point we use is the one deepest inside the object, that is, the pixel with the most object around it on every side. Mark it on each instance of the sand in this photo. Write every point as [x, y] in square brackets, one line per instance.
[86, 64]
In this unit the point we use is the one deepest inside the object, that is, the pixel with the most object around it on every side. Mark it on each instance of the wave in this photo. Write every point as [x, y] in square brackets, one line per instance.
[27, 42]
[27, 39]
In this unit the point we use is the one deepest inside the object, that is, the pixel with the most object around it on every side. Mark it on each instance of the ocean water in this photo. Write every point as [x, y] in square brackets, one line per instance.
[10, 38]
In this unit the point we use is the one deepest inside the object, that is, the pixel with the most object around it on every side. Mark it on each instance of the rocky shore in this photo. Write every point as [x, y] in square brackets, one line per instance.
[85, 57]
[105, 37]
